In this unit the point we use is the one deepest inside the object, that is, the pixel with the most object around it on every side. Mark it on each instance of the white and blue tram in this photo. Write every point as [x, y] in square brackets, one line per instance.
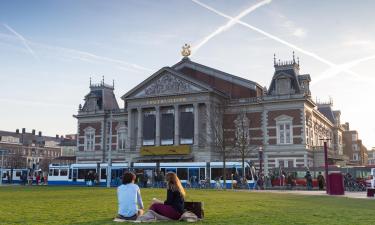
[15, 175]
[193, 174]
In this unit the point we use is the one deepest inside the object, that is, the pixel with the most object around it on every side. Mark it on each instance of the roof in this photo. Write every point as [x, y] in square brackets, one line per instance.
[175, 73]
[28, 138]
[326, 110]
[186, 62]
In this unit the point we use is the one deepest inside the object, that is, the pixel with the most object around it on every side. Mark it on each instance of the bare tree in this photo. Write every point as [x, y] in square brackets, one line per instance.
[242, 137]
[44, 164]
[15, 160]
[217, 134]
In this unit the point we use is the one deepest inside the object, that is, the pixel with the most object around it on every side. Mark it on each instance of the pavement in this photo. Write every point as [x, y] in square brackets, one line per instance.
[357, 195]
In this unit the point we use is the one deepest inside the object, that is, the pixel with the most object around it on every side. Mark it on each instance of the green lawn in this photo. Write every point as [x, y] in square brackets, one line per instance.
[81, 205]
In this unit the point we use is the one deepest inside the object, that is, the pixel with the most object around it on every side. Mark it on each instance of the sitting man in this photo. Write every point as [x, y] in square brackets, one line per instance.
[130, 204]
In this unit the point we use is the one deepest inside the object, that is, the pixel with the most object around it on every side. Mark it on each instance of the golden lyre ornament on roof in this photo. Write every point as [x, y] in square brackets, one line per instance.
[186, 50]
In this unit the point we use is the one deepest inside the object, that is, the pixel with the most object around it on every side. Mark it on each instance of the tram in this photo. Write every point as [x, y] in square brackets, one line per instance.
[190, 173]
[15, 175]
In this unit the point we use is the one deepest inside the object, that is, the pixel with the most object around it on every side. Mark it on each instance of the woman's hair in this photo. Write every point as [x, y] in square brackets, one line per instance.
[128, 178]
[174, 184]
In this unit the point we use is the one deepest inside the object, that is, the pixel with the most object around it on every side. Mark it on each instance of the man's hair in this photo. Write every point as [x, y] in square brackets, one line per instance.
[128, 177]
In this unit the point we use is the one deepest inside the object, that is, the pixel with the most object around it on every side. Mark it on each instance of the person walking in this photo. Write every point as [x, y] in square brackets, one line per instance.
[308, 178]
[173, 207]
[321, 181]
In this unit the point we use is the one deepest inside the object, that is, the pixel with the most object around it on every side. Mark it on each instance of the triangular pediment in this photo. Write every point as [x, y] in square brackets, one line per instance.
[166, 82]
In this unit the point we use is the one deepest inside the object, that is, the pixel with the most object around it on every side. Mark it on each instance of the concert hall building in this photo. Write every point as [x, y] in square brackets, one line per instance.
[178, 112]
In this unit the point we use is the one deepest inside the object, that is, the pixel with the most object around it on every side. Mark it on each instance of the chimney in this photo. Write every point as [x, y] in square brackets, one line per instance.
[23, 130]
[40, 133]
[17, 131]
[33, 131]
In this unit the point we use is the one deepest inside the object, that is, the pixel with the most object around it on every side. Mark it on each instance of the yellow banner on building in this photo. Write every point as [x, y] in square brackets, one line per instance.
[165, 150]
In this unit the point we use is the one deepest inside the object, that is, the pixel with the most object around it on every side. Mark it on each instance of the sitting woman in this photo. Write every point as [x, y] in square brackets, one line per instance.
[130, 204]
[173, 207]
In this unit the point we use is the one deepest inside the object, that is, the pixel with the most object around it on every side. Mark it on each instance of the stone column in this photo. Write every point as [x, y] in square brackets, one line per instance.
[157, 136]
[139, 135]
[196, 124]
[130, 137]
[208, 124]
[176, 125]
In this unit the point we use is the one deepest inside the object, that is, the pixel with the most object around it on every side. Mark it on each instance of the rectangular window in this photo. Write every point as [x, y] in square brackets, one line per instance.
[63, 172]
[167, 127]
[55, 172]
[149, 127]
[186, 125]
[182, 173]
[285, 133]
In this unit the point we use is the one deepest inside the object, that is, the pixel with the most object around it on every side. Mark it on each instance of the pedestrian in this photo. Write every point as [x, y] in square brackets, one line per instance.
[30, 179]
[37, 179]
[321, 181]
[308, 178]
[8, 177]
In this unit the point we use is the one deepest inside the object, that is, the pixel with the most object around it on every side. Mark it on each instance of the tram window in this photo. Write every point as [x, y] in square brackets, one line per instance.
[202, 173]
[182, 173]
[50, 172]
[63, 172]
[171, 170]
[103, 174]
[82, 173]
[55, 172]
[162, 170]
[216, 172]
[18, 174]
[70, 174]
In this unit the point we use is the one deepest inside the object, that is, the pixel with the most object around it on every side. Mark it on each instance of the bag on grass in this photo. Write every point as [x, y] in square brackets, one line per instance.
[196, 208]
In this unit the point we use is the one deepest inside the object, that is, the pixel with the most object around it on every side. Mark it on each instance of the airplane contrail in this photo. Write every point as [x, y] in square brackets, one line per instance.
[22, 39]
[333, 71]
[228, 25]
[273, 37]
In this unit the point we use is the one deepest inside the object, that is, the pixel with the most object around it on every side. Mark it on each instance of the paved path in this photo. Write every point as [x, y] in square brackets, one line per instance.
[359, 195]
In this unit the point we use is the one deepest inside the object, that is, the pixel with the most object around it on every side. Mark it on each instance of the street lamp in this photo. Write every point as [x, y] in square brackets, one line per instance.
[326, 162]
[260, 159]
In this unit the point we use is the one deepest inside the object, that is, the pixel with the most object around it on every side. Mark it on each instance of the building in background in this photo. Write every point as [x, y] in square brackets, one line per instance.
[371, 156]
[29, 150]
[353, 147]
[181, 113]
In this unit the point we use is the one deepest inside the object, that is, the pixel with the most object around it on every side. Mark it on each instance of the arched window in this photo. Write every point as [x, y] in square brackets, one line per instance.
[89, 139]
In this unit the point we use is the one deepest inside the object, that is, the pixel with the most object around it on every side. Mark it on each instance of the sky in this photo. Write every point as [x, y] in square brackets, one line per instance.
[50, 49]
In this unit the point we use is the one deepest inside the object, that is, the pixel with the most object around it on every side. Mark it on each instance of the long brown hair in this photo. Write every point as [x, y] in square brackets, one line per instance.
[174, 184]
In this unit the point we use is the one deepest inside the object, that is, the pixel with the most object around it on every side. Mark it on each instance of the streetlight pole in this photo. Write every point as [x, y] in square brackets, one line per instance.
[109, 175]
[260, 159]
[326, 163]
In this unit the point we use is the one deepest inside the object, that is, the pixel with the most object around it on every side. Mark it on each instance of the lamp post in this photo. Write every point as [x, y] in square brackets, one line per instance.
[109, 175]
[260, 159]
[326, 163]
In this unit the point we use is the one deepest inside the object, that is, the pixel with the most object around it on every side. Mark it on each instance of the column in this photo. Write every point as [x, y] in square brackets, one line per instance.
[208, 124]
[157, 136]
[196, 124]
[130, 137]
[139, 135]
[176, 125]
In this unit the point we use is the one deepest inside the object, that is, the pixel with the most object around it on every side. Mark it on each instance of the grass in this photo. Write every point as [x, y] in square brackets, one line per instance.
[82, 205]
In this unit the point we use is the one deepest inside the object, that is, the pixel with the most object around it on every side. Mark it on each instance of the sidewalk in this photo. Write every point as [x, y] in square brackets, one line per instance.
[358, 195]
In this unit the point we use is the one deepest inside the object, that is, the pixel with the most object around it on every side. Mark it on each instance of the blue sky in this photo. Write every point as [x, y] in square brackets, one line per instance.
[50, 49]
